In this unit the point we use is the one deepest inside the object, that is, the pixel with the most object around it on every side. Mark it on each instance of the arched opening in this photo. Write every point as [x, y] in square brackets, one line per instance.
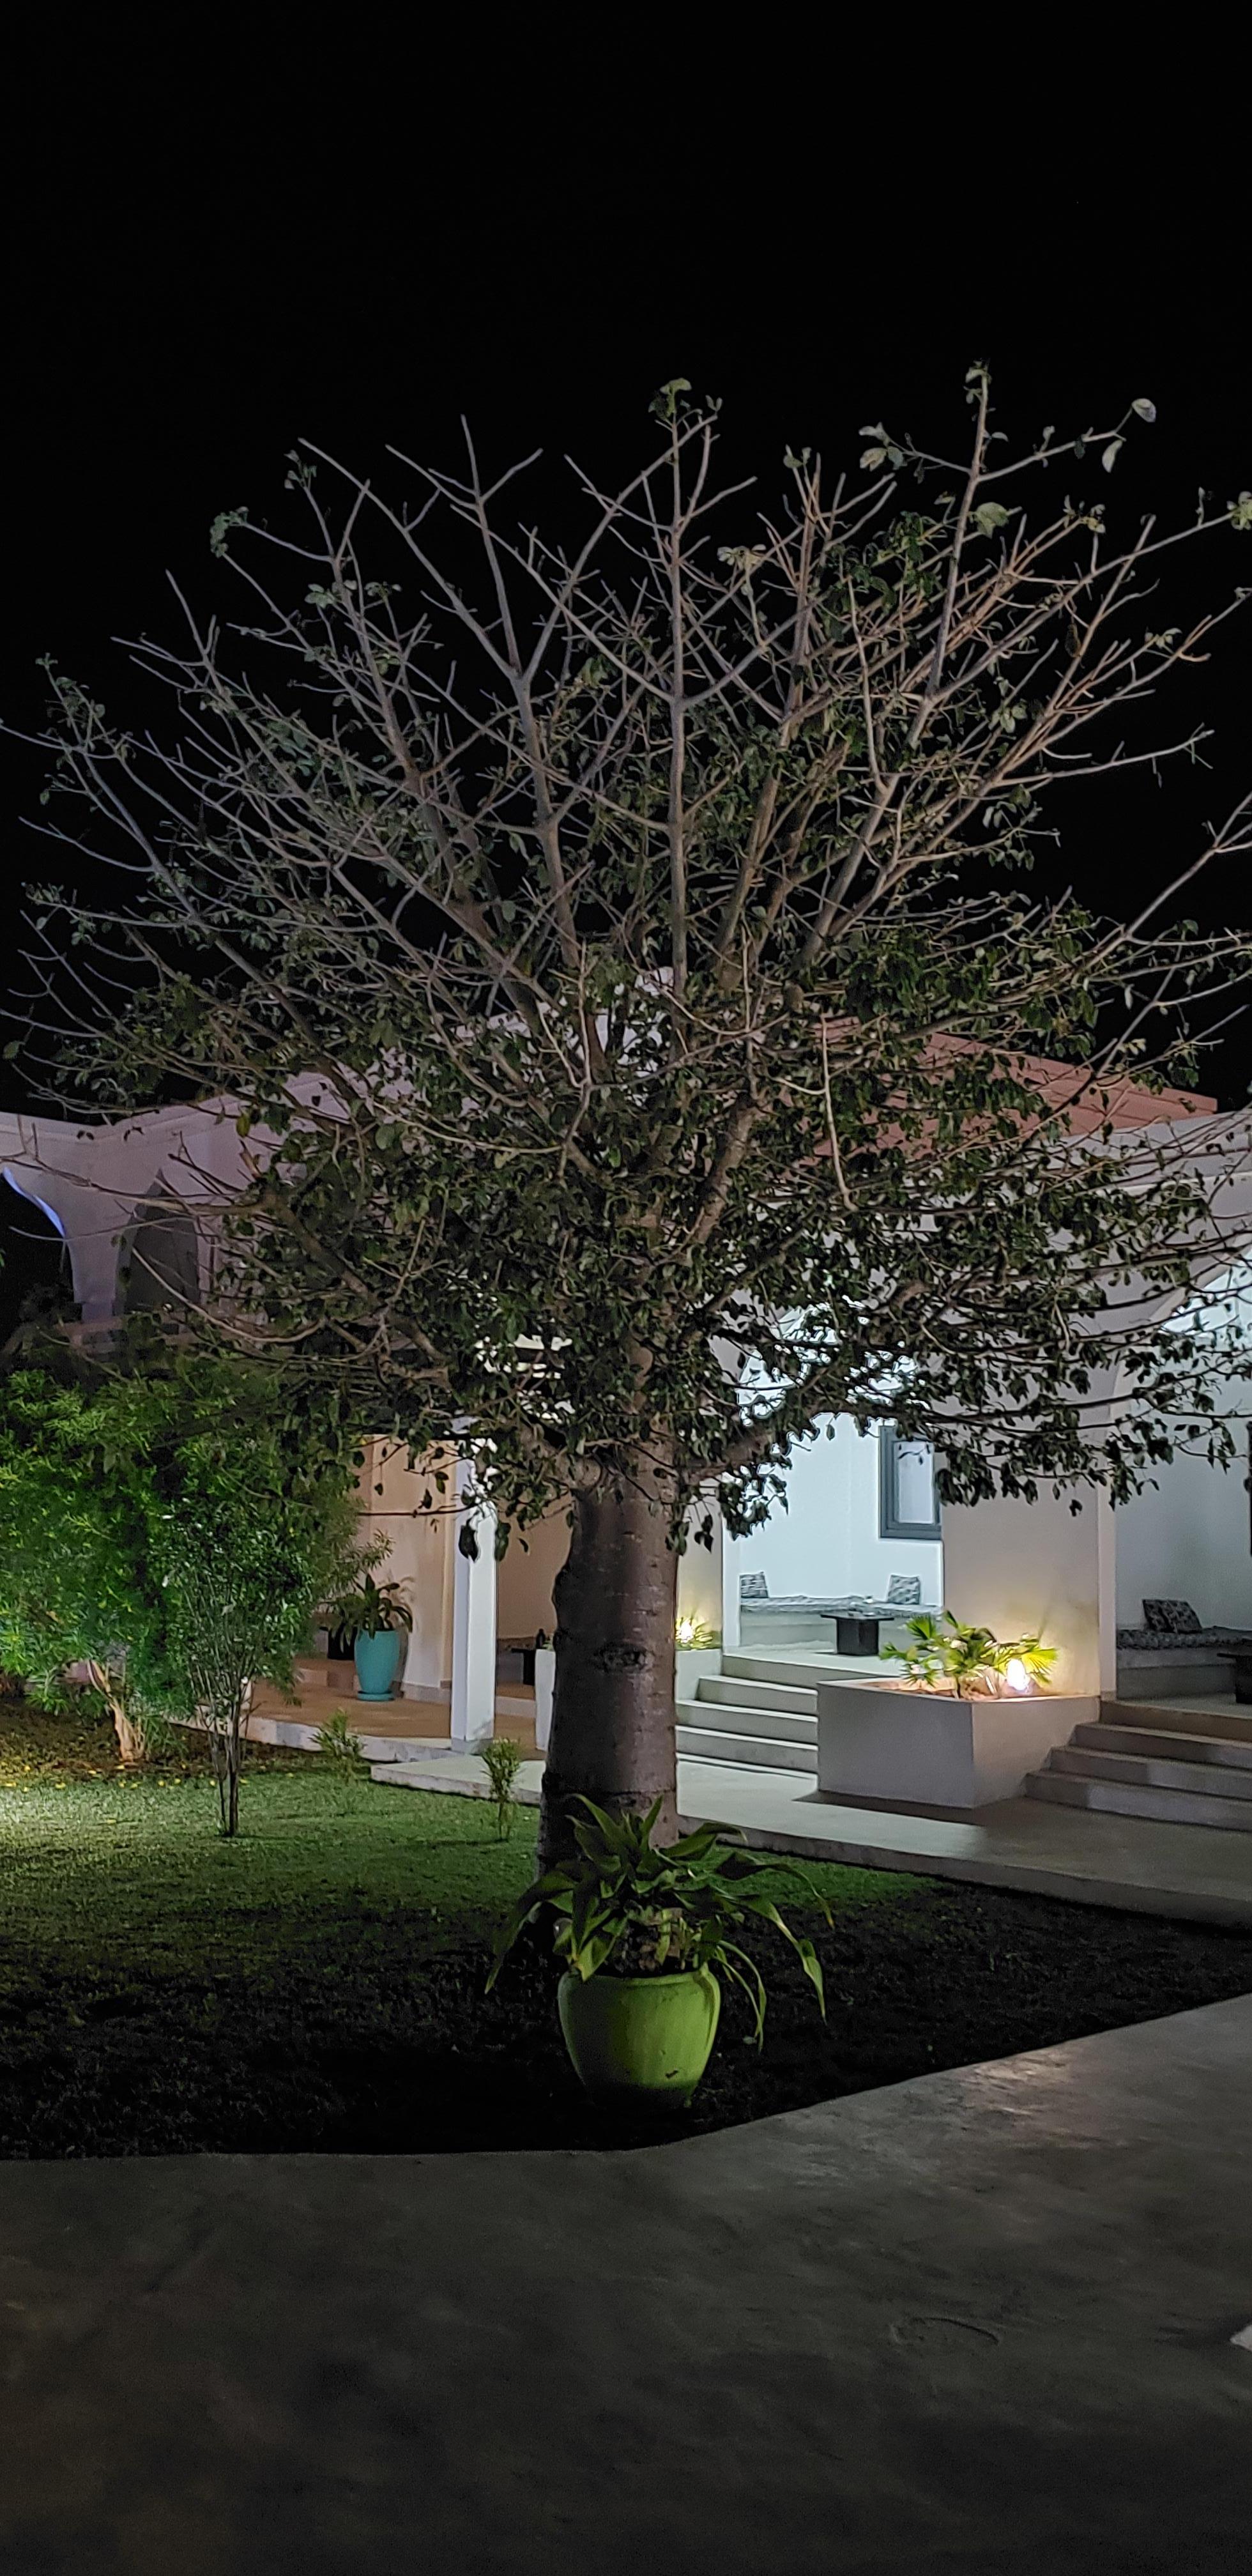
[159, 1265]
[36, 1282]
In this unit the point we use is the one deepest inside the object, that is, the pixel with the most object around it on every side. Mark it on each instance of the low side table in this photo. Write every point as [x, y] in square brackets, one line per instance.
[1241, 1658]
[855, 1636]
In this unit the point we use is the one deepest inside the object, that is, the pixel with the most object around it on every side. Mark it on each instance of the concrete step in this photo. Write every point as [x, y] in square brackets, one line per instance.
[803, 1674]
[302, 1735]
[785, 1724]
[1155, 1771]
[756, 1753]
[1131, 1798]
[1166, 1744]
[458, 1779]
[730, 1693]
[1230, 1724]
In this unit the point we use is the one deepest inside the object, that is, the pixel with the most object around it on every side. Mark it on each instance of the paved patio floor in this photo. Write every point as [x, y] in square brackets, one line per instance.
[1190, 1871]
[979, 2321]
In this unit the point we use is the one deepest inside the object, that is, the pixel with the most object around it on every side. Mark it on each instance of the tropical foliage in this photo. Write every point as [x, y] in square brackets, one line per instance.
[950, 1654]
[371, 1609]
[170, 1523]
[501, 1757]
[624, 1907]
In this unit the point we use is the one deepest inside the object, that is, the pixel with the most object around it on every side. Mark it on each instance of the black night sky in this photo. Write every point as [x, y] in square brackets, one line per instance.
[214, 253]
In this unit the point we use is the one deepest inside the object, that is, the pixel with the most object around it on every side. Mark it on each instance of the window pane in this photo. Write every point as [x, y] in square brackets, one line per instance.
[915, 1481]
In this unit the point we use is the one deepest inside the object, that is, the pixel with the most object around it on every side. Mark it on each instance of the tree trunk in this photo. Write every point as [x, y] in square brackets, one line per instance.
[131, 1747]
[612, 1736]
[226, 1758]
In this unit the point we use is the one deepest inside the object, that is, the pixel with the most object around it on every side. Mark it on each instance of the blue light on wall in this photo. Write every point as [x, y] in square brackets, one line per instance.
[23, 1193]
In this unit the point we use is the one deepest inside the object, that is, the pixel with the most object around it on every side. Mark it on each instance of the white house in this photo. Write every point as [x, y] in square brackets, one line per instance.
[759, 1629]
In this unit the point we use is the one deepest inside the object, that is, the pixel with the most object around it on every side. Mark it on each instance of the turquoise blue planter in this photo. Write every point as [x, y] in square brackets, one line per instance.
[377, 1661]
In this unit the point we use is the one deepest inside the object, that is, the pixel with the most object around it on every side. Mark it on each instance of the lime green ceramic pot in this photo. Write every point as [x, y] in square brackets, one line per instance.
[640, 2035]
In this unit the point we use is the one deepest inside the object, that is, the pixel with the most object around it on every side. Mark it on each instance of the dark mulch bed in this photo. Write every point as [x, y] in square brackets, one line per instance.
[367, 2041]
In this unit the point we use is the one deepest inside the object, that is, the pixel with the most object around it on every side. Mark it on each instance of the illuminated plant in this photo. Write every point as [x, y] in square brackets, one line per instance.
[695, 1636]
[947, 1654]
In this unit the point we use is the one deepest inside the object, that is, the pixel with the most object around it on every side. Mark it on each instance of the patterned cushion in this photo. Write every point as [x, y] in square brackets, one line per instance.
[904, 1587]
[753, 1587]
[1163, 1641]
[1170, 1618]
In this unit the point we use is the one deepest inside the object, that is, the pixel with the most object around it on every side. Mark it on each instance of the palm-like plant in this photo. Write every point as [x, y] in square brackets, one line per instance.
[952, 1654]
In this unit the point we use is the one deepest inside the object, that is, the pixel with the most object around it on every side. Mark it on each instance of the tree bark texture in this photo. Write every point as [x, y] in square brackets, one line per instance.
[131, 1746]
[226, 1757]
[612, 1736]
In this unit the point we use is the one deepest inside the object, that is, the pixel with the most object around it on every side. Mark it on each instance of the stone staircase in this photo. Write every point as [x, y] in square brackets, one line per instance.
[1179, 1766]
[768, 1725]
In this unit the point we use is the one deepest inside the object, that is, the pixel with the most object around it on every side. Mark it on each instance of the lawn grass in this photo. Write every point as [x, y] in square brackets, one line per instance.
[318, 1984]
[90, 1849]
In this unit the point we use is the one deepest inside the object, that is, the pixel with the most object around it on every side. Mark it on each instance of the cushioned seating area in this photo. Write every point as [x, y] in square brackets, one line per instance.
[1182, 1640]
[904, 1600]
[1173, 1627]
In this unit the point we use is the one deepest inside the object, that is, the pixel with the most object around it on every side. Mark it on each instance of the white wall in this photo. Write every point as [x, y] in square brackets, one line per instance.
[826, 1542]
[1187, 1538]
[526, 1574]
[420, 1555]
[1023, 1569]
[700, 1574]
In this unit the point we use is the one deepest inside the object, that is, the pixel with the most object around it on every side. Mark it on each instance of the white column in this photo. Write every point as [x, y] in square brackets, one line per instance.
[1026, 1568]
[1106, 1538]
[732, 1560]
[473, 1620]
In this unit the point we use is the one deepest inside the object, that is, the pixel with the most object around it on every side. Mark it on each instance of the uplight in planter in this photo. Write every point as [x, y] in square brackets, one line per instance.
[695, 1635]
[1016, 1675]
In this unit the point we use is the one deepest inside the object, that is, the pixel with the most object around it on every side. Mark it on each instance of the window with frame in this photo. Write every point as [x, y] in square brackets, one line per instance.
[908, 1506]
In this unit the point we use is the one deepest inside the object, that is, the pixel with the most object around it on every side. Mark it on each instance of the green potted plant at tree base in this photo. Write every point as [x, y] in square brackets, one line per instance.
[642, 1929]
[379, 1619]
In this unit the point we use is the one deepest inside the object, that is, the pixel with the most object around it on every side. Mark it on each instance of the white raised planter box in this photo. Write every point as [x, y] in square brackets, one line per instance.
[694, 1664]
[912, 1748]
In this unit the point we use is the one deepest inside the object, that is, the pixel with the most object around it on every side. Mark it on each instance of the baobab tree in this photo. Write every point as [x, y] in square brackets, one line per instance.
[617, 946]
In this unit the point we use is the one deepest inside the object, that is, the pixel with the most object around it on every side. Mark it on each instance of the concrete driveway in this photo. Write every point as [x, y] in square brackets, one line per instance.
[982, 2320]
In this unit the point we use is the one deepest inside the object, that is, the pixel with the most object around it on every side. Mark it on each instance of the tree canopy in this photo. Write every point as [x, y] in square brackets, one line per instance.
[166, 1521]
[619, 947]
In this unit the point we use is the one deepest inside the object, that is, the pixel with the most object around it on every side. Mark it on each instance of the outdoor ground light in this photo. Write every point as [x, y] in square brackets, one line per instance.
[690, 1632]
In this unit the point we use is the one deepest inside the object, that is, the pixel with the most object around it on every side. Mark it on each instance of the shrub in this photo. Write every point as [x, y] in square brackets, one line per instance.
[501, 1756]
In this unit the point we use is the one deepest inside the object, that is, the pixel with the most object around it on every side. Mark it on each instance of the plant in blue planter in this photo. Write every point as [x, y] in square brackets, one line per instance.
[378, 1619]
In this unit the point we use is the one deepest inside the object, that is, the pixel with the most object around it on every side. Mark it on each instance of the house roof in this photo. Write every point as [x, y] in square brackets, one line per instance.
[1093, 1104]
